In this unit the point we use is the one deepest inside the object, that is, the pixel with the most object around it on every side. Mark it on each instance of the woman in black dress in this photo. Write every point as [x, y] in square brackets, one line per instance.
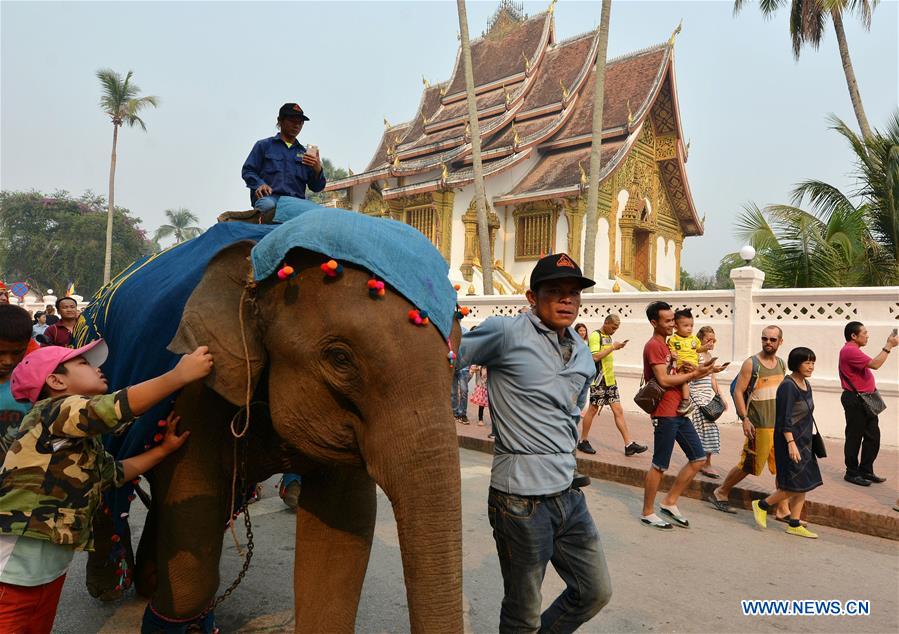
[797, 465]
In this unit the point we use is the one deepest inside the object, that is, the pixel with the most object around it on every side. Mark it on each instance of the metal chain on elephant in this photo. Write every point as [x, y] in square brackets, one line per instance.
[247, 523]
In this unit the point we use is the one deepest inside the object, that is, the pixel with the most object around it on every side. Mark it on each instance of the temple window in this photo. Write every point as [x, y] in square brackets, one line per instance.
[425, 219]
[534, 234]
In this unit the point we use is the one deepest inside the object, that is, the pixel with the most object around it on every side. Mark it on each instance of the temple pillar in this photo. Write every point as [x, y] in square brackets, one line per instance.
[678, 245]
[613, 236]
[575, 211]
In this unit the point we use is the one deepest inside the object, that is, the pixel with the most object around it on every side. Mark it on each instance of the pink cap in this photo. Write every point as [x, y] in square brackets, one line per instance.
[28, 377]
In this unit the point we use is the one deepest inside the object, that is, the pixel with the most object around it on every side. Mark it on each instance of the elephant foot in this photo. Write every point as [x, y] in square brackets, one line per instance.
[155, 623]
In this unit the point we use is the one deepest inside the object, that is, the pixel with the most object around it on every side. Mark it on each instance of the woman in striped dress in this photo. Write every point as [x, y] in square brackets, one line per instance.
[702, 391]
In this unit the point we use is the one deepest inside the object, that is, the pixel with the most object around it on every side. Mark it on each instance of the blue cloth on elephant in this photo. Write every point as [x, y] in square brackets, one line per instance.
[396, 252]
[138, 314]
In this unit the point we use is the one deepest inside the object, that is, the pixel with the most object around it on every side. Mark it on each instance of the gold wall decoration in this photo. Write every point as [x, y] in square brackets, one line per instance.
[575, 209]
[430, 213]
[472, 247]
[373, 204]
[666, 148]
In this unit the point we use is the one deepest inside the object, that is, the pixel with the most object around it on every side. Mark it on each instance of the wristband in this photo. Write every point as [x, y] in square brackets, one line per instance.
[885, 349]
[791, 441]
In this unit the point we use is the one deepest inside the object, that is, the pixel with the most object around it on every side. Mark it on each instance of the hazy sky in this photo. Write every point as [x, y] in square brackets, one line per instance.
[756, 118]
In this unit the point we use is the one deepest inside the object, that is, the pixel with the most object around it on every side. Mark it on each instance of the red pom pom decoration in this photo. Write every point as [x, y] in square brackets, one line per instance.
[157, 438]
[457, 286]
[285, 272]
[115, 539]
[373, 284]
[332, 268]
[162, 423]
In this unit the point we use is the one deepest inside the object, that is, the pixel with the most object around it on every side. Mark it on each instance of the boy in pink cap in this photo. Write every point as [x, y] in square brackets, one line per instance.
[56, 469]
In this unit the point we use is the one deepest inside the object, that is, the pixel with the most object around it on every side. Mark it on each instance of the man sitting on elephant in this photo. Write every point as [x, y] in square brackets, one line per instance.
[280, 165]
[540, 376]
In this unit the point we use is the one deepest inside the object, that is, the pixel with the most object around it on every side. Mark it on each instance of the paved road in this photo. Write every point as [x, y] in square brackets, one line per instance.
[680, 581]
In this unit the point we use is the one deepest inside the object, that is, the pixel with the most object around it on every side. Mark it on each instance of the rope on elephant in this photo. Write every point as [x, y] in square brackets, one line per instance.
[238, 435]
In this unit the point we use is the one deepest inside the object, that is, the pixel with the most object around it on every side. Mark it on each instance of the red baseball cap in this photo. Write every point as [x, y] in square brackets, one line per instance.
[28, 377]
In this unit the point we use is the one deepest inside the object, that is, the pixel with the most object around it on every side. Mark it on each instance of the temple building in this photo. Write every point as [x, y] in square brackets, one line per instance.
[535, 111]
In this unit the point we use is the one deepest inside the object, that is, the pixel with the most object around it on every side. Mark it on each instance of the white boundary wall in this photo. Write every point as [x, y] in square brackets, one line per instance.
[809, 317]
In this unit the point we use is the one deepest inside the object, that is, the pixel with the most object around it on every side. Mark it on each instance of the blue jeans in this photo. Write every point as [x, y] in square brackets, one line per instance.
[533, 531]
[289, 478]
[667, 430]
[460, 393]
[266, 203]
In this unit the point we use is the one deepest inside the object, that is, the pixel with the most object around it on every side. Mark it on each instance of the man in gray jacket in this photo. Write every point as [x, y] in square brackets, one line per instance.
[540, 375]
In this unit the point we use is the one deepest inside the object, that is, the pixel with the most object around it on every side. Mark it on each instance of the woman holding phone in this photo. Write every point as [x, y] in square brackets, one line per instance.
[797, 465]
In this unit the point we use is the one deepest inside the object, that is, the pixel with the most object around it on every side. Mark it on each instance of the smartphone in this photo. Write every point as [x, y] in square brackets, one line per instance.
[624, 343]
[725, 364]
[895, 332]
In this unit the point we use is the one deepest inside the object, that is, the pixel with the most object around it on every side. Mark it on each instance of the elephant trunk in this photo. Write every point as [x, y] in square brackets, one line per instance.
[420, 475]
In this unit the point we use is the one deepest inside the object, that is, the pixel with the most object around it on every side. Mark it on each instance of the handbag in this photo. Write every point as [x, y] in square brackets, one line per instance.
[713, 409]
[818, 447]
[649, 396]
[872, 402]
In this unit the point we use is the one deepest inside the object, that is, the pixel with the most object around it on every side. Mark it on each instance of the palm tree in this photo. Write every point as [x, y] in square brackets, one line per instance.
[182, 225]
[479, 192]
[120, 101]
[840, 242]
[808, 20]
[592, 220]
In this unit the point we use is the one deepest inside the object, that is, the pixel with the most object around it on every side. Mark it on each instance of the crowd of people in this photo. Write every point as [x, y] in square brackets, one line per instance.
[541, 379]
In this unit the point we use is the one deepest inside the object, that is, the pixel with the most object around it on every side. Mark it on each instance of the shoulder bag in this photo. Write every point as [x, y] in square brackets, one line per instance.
[713, 409]
[818, 447]
[871, 402]
[649, 396]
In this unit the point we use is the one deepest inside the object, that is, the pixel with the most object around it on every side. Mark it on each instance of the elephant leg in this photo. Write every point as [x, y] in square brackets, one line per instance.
[335, 526]
[190, 491]
[102, 574]
[146, 573]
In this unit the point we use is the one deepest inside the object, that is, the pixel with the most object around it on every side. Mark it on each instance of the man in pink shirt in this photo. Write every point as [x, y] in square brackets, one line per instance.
[862, 429]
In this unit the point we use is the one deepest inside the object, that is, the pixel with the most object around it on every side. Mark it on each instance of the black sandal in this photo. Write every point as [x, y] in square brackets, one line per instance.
[720, 505]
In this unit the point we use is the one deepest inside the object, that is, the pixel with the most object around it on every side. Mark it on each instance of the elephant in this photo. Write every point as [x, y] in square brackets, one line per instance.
[343, 390]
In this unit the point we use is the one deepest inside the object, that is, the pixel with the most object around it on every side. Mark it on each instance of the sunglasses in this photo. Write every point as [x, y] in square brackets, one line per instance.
[770, 339]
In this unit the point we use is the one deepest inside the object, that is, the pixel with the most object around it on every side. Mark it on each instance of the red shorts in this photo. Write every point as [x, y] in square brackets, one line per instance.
[29, 609]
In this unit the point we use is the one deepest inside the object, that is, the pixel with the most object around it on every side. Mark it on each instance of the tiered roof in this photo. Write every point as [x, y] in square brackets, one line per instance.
[535, 95]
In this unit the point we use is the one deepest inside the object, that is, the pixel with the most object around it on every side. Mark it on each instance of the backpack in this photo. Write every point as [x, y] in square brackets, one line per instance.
[749, 388]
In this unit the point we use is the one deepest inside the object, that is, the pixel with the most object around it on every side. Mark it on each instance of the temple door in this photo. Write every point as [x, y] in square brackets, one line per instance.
[641, 256]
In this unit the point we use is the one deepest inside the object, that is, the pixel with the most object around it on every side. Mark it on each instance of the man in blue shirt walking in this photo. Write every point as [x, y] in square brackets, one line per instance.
[540, 377]
[281, 165]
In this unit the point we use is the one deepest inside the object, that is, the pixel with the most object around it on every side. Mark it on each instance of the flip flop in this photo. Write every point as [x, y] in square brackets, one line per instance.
[720, 505]
[710, 474]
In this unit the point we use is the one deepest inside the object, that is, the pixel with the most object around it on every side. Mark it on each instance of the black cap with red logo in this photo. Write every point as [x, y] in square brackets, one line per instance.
[292, 110]
[557, 267]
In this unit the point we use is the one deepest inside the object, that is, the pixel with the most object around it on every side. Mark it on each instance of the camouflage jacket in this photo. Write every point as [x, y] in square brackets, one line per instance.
[52, 477]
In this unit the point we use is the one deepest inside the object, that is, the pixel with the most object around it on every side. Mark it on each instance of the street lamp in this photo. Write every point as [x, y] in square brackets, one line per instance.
[747, 253]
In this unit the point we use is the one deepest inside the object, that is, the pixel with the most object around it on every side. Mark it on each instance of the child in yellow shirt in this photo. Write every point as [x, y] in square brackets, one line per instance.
[685, 348]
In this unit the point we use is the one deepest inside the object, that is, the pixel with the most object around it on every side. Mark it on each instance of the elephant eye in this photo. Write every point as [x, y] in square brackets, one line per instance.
[340, 358]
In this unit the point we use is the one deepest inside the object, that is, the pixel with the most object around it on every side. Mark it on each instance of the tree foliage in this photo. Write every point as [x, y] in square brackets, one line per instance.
[182, 225]
[50, 240]
[844, 239]
[331, 173]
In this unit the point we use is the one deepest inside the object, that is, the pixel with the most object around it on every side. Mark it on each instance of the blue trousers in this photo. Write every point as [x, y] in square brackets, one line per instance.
[460, 392]
[266, 203]
[531, 531]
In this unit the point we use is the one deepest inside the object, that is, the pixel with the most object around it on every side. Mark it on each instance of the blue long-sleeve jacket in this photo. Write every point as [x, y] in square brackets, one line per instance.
[280, 167]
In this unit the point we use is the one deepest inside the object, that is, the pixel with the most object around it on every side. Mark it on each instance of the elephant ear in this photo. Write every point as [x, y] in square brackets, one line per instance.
[211, 318]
